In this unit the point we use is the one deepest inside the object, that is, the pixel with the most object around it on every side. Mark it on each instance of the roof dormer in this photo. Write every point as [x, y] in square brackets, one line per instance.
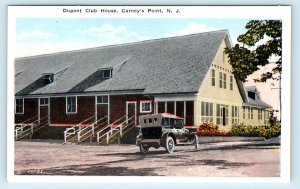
[48, 78]
[107, 73]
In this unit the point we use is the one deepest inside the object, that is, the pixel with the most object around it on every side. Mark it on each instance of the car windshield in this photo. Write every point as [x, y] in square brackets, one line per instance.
[177, 123]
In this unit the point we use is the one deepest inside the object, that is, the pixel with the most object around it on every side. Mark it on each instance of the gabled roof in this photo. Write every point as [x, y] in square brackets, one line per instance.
[168, 65]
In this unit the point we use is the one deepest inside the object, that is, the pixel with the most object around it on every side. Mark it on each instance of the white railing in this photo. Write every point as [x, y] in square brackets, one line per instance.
[90, 131]
[22, 130]
[122, 126]
[73, 130]
[108, 126]
[119, 128]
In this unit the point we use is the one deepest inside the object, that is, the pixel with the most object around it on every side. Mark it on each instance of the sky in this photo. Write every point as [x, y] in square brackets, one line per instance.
[36, 36]
[46, 35]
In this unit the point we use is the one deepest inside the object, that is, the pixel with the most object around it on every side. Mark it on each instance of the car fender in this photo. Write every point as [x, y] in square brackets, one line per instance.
[164, 137]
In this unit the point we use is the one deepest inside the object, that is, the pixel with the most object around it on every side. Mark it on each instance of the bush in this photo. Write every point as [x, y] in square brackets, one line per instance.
[270, 131]
[243, 130]
[256, 131]
[209, 129]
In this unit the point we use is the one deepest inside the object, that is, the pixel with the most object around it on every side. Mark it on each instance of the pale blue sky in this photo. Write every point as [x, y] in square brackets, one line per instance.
[46, 35]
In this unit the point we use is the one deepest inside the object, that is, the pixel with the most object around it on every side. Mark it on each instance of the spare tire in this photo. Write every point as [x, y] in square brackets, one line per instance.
[170, 145]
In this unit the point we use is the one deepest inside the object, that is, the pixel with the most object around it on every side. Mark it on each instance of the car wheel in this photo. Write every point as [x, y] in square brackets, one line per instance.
[143, 149]
[170, 145]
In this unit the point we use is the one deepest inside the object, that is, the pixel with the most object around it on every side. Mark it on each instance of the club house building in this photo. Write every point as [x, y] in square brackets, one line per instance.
[188, 76]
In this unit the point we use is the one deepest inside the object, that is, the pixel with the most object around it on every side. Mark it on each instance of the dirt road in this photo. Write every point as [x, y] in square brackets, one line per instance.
[218, 160]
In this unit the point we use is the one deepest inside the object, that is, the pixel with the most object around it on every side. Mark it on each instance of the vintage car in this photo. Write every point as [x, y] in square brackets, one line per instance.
[164, 130]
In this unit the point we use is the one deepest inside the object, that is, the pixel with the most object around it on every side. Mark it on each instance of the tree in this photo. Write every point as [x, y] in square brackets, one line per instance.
[252, 55]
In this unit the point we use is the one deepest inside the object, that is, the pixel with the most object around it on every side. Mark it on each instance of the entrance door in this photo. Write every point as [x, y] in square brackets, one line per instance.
[224, 116]
[44, 111]
[131, 110]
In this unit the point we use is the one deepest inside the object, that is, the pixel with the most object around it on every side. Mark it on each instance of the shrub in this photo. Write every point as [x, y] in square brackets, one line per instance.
[209, 129]
[243, 130]
[256, 131]
[270, 131]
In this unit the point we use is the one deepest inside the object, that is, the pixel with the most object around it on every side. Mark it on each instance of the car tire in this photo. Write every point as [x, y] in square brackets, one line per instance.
[170, 145]
[144, 150]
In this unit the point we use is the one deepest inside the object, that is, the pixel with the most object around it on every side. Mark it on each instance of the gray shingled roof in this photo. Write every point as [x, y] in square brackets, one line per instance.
[257, 101]
[168, 65]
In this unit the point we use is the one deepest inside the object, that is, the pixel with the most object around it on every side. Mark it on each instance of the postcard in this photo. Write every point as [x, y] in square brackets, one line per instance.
[149, 93]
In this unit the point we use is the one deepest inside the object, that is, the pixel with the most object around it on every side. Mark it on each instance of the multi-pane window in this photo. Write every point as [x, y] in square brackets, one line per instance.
[248, 108]
[220, 79]
[44, 101]
[251, 114]
[222, 114]
[71, 105]
[244, 112]
[107, 74]
[19, 109]
[259, 114]
[224, 80]
[102, 99]
[145, 106]
[235, 114]
[266, 115]
[206, 112]
[213, 77]
[231, 82]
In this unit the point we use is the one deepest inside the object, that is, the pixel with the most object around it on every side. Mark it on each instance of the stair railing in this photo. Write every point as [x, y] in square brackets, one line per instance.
[21, 131]
[108, 126]
[90, 130]
[122, 126]
[73, 130]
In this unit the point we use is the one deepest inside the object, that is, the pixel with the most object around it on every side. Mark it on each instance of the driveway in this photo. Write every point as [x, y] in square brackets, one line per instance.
[227, 159]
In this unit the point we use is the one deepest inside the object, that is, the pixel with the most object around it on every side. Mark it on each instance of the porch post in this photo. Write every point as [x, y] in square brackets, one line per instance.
[39, 106]
[108, 111]
[96, 118]
[175, 108]
[166, 107]
[49, 108]
[184, 111]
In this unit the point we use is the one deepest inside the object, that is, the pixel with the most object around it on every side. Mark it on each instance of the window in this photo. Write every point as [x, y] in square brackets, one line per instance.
[213, 77]
[71, 105]
[266, 115]
[235, 114]
[19, 109]
[231, 82]
[102, 99]
[145, 107]
[48, 78]
[224, 80]
[220, 80]
[251, 95]
[251, 113]
[206, 112]
[107, 74]
[244, 112]
[248, 108]
[259, 114]
[44, 101]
